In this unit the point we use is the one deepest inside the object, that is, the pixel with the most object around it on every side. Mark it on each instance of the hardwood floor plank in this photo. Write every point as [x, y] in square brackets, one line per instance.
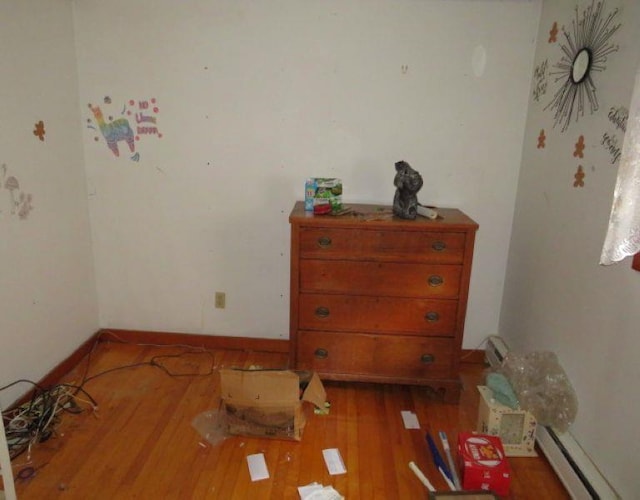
[337, 425]
[352, 458]
[400, 441]
[312, 467]
[141, 443]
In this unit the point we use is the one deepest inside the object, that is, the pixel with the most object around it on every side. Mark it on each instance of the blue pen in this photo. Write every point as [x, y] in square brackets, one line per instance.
[437, 459]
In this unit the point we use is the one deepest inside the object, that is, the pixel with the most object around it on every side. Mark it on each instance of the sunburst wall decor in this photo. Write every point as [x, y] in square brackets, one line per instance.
[584, 52]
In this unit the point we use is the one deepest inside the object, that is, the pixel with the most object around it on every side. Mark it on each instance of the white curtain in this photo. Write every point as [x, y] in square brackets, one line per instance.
[623, 236]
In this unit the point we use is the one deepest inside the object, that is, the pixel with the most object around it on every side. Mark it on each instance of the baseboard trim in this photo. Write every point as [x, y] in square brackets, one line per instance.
[196, 340]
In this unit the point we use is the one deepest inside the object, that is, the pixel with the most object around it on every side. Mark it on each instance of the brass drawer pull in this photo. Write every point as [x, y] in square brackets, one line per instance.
[321, 353]
[427, 359]
[439, 246]
[436, 280]
[322, 312]
[432, 316]
[324, 242]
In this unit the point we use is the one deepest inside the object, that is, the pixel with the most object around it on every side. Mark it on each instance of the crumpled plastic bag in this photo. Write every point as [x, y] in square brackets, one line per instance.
[542, 388]
[211, 426]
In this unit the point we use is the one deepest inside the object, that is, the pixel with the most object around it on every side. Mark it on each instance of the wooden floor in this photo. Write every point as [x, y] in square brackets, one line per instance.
[141, 444]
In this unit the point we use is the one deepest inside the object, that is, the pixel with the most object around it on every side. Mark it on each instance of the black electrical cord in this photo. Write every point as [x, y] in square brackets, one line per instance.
[20, 381]
[154, 362]
[36, 419]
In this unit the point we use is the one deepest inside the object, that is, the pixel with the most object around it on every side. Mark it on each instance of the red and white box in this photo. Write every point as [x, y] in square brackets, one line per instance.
[483, 463]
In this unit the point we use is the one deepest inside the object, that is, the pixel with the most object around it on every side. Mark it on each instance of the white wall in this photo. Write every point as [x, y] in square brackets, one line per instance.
[48, 304]
[557, 297]
[253, 97]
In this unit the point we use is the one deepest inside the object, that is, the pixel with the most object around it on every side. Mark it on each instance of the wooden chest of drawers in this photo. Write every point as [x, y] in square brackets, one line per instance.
[376, 298]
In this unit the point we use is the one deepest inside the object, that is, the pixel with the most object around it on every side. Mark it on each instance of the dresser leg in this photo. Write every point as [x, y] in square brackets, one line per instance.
[448, 390]
[452, 394]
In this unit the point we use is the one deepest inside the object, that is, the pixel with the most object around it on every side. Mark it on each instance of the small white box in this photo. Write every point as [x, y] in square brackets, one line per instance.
[516, 428]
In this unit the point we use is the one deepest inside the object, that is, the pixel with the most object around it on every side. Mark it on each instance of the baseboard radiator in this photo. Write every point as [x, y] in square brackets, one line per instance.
[574, 468]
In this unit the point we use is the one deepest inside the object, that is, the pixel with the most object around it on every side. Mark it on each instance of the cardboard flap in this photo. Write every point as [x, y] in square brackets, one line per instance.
[259, 386]
[315, 393]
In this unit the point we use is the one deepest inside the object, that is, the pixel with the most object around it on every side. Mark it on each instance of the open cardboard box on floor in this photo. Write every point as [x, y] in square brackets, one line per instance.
[269, 403]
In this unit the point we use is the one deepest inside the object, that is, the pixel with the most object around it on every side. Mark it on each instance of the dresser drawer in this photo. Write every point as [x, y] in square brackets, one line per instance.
[378, 355]
[390, 315]
[354, 244]
[380, 278]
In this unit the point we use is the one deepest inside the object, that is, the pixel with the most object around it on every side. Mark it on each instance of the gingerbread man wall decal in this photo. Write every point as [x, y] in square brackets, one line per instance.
[579, 177]
[553, 34]
[541, 139]
[579, 151]
[39, 130]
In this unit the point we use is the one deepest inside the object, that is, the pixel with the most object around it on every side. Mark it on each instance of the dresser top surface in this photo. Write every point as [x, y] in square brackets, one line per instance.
[380, 215]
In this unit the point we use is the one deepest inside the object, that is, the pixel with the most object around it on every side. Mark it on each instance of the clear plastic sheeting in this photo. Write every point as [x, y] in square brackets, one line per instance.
[542, 388]
[211, 426]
